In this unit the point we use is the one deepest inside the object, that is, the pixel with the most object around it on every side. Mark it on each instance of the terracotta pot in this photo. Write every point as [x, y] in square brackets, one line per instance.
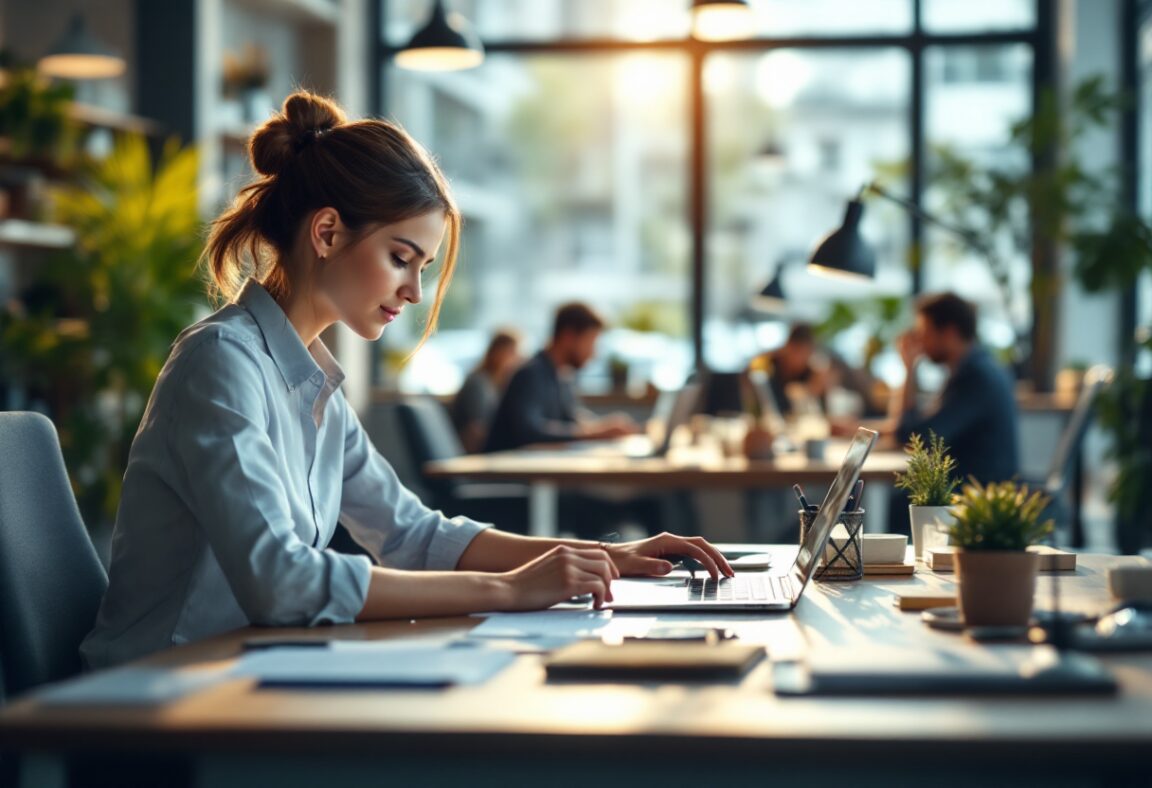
[758, 443]
[929, 526]
[996, 587]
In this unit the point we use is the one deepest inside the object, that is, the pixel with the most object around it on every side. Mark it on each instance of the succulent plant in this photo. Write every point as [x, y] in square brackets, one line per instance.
[998, 516]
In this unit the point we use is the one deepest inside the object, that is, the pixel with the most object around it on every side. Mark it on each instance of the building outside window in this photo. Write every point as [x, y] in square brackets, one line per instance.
[570, 150]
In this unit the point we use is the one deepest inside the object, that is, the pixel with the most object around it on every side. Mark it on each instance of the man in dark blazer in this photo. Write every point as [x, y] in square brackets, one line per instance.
[975, 413]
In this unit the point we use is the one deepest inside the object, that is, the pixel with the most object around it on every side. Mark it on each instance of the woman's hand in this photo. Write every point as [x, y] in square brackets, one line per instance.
[646, 556]
[561, 573]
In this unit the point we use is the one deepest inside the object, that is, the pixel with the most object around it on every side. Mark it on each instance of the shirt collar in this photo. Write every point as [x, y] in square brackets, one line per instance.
[295, 362]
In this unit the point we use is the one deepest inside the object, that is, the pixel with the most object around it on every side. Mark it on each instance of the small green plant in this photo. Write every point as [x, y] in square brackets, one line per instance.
[929, 479]
[998, 516]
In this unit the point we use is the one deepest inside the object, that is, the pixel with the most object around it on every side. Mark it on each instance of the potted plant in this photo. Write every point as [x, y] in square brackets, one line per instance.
[760, 436]
[994, 525]
[930, 482]
[88, 336]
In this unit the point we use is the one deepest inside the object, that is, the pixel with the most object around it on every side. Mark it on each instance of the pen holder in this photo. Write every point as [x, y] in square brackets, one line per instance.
[843, 558]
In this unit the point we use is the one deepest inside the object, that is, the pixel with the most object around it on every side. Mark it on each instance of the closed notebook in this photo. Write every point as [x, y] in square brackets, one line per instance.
[961, 669]
[941, 559]
[640, 660]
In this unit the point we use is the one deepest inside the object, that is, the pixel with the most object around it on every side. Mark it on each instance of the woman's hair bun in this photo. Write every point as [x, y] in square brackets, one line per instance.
[304, 118]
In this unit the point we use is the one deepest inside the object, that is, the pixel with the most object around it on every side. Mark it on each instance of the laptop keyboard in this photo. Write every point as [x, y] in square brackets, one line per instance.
[741, 588]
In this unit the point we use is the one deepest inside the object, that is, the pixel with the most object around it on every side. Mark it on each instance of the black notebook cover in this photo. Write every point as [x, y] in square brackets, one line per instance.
[641, 661]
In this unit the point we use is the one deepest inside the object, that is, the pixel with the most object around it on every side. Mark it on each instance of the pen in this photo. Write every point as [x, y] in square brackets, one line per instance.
[800, 496]
[858, 495]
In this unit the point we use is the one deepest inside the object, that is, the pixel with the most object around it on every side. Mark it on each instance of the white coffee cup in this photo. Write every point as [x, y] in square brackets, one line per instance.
[883, 548]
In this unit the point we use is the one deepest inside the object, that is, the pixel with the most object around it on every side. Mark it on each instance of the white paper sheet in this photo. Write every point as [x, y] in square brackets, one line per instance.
[131, 686]
[366, 665]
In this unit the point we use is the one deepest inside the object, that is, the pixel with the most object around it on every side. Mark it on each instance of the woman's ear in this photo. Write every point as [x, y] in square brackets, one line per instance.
[323, 231]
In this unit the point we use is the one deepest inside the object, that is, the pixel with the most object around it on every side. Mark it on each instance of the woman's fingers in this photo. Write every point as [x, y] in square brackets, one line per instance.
[698, 547]
[587, 571]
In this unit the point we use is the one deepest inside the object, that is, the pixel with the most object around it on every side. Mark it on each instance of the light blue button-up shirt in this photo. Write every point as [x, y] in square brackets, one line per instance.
[246, 458]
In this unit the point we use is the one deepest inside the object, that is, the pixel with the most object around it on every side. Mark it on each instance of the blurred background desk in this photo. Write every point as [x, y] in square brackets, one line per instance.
[520, 729]
[546, 471]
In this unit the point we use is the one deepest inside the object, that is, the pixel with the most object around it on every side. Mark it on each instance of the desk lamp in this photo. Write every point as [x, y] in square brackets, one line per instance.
[844, 251]
[445, 43]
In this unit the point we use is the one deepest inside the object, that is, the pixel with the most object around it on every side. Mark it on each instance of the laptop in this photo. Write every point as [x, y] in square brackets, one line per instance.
[684, 404]
[752, 591]
[671, 411]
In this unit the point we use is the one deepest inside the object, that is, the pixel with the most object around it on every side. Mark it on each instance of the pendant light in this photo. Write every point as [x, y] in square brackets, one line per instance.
[721, 20]
[445, 43]
[79, 55]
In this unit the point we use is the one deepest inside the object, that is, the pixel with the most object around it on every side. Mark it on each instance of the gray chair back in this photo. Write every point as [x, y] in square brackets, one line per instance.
[51, 580]
[1059, 475]
[429, 435]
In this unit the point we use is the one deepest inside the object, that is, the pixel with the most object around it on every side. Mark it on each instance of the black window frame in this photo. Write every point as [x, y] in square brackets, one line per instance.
[1040, 38]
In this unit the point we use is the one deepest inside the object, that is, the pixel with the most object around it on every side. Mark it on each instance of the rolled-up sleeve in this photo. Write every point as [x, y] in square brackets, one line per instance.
[386, 517]
[220, 441]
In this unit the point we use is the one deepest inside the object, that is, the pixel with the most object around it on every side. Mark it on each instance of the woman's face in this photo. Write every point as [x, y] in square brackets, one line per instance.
[369, 283]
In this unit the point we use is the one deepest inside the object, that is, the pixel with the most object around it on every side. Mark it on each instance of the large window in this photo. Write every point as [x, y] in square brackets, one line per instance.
[792, 135]
[573, 154]
[570, 171]
[973, 96]
[1144, 180]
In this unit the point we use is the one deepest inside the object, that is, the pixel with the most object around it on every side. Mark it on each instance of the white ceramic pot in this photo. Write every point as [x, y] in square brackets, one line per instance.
[929, 526]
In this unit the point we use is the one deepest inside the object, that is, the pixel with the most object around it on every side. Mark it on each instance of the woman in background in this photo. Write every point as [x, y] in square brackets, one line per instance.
[248, 454]
[475, 403]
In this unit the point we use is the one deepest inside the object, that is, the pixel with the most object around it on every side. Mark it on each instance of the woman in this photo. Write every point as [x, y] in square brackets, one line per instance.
[475, 404]
[248, 454]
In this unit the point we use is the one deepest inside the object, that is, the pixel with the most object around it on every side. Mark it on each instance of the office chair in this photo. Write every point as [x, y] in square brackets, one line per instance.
[51, 580]
[1062, 472]
[429, 435]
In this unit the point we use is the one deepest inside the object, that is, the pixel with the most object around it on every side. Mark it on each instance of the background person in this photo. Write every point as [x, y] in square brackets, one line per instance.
[475, 404]
[540, 404]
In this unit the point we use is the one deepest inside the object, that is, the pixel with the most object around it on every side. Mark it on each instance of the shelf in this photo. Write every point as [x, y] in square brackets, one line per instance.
[111, 119]
[35, 235]
[323, 12]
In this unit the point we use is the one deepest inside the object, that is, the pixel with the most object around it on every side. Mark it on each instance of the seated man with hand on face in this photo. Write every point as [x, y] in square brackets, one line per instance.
[975, 413]
[540, 404]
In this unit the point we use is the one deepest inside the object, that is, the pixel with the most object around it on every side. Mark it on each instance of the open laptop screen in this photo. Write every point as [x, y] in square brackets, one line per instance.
[817, 538]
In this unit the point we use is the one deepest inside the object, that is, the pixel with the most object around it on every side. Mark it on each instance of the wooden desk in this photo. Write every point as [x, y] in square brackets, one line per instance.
[545, 471]
[519, 729]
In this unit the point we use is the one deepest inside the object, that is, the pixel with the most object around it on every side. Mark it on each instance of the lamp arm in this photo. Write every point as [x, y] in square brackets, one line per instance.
[999, 272]
[966, 235]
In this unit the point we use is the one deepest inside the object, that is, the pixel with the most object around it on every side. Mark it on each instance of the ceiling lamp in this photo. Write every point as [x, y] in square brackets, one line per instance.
[721, 20]
[445, 43]
[80, 55]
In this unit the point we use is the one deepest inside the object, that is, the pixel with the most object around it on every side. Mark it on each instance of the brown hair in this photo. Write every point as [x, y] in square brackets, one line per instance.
[504, 339]
[310, 157]
[949, 309]
[576, 317]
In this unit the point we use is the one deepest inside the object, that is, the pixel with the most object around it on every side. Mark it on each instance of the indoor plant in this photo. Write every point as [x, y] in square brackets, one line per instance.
[88, 337]
[930, 483]
[995, 574]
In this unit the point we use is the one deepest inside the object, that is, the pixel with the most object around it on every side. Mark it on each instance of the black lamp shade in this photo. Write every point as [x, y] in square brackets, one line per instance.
[771, 298]
[844, 251]
[446, 43]
[80, 55]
